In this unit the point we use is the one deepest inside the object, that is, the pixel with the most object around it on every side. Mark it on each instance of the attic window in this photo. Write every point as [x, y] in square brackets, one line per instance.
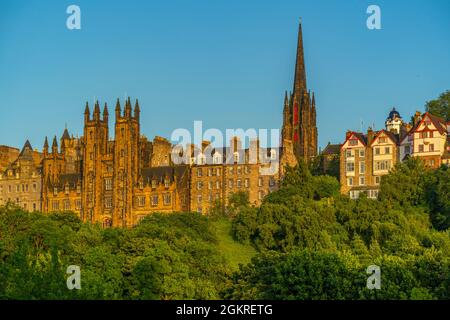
[353, 142]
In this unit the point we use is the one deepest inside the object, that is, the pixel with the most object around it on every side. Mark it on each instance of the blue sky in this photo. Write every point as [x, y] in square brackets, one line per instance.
[225, 62]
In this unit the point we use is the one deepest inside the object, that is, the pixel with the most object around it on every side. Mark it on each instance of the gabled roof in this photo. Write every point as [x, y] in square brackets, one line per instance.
[439, 123]
[394, 137]
[360, 136]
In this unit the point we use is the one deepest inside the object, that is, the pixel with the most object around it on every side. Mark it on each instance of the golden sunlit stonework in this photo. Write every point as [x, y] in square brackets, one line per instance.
[118, 182]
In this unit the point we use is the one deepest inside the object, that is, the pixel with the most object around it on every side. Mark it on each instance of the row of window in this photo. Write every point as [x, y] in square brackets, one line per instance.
[154, 200]
[23, 205]
[19, 188]
[65, 205]
[362, 181]
[372, 194]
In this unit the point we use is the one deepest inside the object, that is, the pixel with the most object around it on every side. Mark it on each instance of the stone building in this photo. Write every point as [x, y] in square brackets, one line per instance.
[7, 156]
[20, 182]
[116, 176]
[365, 158]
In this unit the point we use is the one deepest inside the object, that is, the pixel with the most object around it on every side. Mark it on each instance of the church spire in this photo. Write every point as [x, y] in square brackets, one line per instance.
[300, 72]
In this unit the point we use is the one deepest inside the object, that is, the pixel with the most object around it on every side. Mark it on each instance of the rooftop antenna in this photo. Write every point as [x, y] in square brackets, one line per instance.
[362, 123]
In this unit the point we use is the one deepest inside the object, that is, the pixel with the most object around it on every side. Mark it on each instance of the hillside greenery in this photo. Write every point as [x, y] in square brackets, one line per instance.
[306, 241]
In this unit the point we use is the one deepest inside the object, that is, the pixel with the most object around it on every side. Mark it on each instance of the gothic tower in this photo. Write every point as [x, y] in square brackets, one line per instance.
[126, 162]
[299, 115]
[95, 142]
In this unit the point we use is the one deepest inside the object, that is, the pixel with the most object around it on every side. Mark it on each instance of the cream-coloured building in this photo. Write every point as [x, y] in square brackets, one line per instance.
[428, 140]
[20, 182]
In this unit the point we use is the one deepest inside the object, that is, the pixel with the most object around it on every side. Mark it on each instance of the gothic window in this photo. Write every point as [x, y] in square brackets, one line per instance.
[230, 183]
[239, 170]
[236, 157]
[108, 184]
[199, 198]
[210, 185]
[55, 205]
[167, 199]
[66, 205]
[239, 183]
[141, 201]
[55, 191]
[217, 184]
[166, 183]
[78, 204]
[153, 183]
[247, 169]
[108, 203]
[199, 172]
[218, 172]
[260, 182]
[155, 200]
[199, 185]
[247, 183]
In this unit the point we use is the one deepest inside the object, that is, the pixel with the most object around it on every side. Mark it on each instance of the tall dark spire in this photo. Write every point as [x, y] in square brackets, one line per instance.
[97, 111]
[86, 113]
[137, 110]
[105, 113]
[117, 109]
[55, 145]
[45, 149]
[300, 71]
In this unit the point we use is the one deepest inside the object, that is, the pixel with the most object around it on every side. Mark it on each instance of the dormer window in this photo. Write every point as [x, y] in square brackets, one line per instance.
[217, 158]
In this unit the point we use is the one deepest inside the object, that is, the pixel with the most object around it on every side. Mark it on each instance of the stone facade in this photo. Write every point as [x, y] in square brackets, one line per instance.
[20, 182]
[117, 182]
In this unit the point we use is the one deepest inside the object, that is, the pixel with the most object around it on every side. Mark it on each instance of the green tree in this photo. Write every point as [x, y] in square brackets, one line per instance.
[441, 106]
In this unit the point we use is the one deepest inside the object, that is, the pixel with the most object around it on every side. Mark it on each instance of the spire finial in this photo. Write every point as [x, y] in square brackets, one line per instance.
[300, 71]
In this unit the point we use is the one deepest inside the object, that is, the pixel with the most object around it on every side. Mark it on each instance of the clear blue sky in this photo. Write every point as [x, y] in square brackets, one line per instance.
[226, 62]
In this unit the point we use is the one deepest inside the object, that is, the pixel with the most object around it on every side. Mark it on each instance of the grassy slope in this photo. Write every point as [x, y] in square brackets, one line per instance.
[236, 253]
